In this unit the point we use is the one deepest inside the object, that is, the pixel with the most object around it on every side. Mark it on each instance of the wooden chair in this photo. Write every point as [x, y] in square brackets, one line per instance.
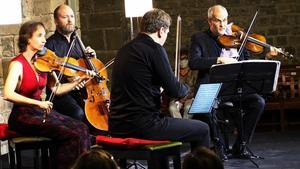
[134, 149]
[287, 95]
[42, 147]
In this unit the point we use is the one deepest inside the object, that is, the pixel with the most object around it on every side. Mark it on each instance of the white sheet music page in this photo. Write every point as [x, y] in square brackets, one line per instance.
[205, 98]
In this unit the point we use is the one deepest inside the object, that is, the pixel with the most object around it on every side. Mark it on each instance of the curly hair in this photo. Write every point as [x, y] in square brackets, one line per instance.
[26, 32]
[155, 19]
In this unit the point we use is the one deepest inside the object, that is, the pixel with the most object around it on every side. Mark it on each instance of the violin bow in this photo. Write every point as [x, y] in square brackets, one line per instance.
[246, 35]
[178, 46]
[59, 77]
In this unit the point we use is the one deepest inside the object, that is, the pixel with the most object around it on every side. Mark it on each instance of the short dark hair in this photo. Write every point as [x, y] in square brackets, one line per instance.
[94, 159]
[26, 32]
[154, 19]
[202, 158]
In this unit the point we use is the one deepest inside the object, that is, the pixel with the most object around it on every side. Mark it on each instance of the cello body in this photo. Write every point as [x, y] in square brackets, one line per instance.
[98, 95]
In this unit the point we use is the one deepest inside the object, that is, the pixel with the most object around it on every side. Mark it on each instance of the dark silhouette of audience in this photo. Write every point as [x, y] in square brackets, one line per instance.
[96, 158]
[202, 158]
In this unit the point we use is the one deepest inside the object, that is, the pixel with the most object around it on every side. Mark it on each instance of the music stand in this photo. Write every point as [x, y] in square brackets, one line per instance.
[243, 78]
[206, 102]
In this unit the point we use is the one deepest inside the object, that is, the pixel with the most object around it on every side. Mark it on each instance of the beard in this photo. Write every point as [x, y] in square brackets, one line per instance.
[66, 29]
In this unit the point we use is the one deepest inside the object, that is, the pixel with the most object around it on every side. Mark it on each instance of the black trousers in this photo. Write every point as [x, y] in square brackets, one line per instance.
[167, 128]
[69, 106]
[246, 111]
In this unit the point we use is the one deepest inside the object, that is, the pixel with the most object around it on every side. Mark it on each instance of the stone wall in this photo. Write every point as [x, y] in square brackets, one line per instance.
[105, 28]
[38, 10]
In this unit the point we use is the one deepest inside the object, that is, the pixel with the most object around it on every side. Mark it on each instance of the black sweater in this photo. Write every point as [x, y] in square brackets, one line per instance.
[140, 69]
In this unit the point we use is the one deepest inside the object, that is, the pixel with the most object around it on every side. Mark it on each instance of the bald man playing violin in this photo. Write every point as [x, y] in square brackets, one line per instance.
[205, 51]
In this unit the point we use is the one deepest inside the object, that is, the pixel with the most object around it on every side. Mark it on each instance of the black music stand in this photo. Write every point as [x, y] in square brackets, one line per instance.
[206, 102]
[242, 78]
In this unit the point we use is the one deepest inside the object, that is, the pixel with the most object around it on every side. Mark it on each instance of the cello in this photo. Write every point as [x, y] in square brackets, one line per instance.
[98, 96]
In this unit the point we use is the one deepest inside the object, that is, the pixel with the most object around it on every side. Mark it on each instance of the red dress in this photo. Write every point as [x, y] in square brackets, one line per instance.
[70, 136]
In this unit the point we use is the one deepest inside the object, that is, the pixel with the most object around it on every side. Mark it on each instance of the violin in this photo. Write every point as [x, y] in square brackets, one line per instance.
[255, 42]
[48, 62]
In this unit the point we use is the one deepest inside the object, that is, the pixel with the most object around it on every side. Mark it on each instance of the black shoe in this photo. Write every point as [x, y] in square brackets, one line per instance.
[241, 152]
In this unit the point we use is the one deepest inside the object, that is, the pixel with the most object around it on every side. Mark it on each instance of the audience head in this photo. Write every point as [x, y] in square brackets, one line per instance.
[202, 158]
[96, 158]
[217, 19]
[184, 58]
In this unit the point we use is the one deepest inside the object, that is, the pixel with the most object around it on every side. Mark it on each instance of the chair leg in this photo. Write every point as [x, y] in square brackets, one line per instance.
[11, 158]
[123, 163]
[18, 158]
[36, 159]
[158, 162]
[45, 158]
[177, 161]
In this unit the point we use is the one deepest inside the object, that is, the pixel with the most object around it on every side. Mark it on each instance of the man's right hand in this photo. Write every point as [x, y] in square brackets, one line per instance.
[224, 60]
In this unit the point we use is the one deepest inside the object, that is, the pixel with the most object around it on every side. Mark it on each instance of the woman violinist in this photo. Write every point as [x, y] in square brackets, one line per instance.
[23, 87]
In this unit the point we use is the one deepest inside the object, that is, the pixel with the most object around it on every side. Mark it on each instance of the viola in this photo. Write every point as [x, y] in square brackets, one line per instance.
[255, 42]
[48, 61]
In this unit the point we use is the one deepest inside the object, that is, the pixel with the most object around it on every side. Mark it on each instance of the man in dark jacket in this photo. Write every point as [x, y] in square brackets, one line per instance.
[204, 52]
[140, 69]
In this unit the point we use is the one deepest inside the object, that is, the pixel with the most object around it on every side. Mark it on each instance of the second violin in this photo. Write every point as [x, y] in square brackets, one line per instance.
[255, 42]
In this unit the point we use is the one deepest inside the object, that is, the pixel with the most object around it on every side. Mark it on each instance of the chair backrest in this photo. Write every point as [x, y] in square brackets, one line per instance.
[290, 82]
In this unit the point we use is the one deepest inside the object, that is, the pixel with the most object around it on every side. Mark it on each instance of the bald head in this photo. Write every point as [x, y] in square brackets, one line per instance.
[217, 10]
[59, 8]
[217, 19]
[64, 19]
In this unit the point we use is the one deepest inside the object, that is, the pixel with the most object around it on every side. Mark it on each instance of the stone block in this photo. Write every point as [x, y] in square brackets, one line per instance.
[281, 41]
[86, 6]
[27, 8]
[272, 31]
[9, 29]
[107, 20]
[114, 39]
[7, 46]
[103, 6]
[93, 38]
[293, 40]
[41, 7]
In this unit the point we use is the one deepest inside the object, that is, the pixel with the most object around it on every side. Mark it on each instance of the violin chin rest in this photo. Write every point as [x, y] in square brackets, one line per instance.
[42, 52]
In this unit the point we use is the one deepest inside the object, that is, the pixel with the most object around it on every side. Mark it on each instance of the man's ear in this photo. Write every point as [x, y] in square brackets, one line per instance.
[55, 22]
[159, 32]
[209, 21]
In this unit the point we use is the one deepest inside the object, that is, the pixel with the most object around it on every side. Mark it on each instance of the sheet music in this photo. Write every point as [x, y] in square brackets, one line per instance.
[260, 62]
[205, 98]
